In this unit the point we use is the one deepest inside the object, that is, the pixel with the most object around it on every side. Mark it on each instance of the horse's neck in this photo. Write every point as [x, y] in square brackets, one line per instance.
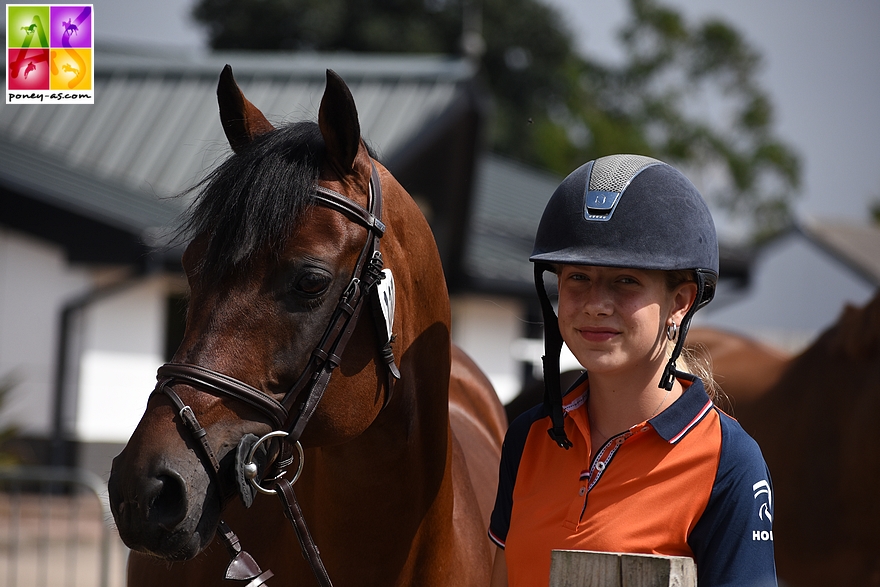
[401, 464]
[409, 435]
[386, 495]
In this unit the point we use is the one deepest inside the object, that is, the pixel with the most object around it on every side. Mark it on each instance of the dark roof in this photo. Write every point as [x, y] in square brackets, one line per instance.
[855, 245]
[509, 198]
[154, 130]
[27, 170]
[95, 220]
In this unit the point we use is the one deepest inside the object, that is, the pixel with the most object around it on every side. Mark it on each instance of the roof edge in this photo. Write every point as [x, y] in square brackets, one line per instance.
[284, 64]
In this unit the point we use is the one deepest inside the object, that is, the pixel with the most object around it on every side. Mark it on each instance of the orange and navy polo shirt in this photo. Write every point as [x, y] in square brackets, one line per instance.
[688, 482]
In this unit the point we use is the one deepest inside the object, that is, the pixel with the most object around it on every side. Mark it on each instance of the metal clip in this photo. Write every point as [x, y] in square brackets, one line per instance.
[351, 290]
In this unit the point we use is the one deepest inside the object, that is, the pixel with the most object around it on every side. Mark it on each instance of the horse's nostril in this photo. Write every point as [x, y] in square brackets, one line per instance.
[168, 508]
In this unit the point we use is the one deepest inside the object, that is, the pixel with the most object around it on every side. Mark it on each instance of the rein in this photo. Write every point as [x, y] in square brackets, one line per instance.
[290, 416]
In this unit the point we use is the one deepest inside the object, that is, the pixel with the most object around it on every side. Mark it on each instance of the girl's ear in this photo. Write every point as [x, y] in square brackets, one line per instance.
[683, 297]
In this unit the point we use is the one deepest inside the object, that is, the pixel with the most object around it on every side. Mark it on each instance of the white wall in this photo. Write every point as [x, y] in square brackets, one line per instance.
[123, 345]
[486, 328]
[35, 281]
[491, 330]
[115, 344]
[798, 290]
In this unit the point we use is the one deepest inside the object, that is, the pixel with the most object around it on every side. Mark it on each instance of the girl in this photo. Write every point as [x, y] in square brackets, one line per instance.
[618, 463]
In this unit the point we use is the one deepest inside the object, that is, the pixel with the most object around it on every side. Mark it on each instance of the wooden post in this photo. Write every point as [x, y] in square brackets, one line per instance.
[581, 568]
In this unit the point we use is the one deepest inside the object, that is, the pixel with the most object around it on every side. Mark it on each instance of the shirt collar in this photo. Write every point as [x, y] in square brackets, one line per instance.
[577, 394]
[673, 423]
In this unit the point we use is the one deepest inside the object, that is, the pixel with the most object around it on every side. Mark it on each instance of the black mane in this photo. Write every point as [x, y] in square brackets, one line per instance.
[252, 200]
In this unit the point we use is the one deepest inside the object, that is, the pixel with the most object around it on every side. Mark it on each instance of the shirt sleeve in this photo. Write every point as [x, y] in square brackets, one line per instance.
[511, 453]
[733, 540]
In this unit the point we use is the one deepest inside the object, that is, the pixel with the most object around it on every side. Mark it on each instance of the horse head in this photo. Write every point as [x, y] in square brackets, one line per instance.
[275, 251]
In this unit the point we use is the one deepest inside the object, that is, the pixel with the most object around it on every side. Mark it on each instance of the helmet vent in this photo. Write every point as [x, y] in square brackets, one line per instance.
[613, 173]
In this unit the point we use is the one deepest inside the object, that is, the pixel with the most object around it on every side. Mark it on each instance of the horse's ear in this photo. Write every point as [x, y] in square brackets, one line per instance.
[242, 121]
[339, 124]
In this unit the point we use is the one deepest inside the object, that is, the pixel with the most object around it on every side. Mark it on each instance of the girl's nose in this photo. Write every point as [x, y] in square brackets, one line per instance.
[597, 300]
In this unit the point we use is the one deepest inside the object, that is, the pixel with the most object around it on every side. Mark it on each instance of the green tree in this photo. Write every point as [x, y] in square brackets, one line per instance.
[685, 93]
[690, 95]
[874, 212]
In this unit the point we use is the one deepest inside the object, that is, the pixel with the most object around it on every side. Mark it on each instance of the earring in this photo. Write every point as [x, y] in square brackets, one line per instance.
[672, 331]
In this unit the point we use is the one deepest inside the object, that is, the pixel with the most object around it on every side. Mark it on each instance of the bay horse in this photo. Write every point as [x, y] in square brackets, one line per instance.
[816, 427]
[400, 454]
[743, 368]
[813, 415]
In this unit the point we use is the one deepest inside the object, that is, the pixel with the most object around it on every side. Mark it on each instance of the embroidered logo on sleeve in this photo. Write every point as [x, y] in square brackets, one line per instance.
[764, 495]
[762, 488]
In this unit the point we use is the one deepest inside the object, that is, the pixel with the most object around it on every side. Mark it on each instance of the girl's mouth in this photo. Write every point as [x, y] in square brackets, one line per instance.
[597, 334]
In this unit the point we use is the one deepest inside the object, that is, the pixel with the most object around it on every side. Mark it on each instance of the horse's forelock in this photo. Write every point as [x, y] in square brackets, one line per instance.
[252, 200]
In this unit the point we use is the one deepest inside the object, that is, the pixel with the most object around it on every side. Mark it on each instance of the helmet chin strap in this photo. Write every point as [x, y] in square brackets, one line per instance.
[552, 349]
[668, 378]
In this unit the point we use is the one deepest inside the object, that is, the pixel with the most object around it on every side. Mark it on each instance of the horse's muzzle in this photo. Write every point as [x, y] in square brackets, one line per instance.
[155, 513]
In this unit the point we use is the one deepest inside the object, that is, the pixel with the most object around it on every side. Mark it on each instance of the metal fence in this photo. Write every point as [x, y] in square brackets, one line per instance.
[56, 530]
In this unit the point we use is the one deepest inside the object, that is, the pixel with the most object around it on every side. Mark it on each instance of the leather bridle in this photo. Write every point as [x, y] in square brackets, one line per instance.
[290, 416]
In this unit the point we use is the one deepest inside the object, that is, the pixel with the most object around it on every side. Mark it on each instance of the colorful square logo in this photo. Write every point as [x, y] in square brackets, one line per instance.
[50, 54]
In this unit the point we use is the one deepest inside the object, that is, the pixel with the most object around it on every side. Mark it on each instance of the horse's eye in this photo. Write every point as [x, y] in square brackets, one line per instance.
[311, 284]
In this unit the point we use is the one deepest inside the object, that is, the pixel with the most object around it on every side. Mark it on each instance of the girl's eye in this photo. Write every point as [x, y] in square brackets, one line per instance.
[628, 280]
[311, 284]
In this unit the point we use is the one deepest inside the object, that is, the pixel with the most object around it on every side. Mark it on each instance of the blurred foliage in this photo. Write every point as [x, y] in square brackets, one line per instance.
[686, 94]
[7, 433]
[875, 212]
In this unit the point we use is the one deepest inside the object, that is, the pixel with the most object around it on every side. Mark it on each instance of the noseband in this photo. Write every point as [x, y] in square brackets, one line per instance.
[290, 416]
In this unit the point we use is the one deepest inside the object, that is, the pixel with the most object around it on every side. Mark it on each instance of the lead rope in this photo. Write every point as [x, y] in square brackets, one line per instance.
[292, 511]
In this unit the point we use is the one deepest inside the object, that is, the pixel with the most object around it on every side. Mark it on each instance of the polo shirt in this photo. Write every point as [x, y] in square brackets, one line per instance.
[687, 482]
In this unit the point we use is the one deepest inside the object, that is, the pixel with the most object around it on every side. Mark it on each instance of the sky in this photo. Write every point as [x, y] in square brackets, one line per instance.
[821, 69]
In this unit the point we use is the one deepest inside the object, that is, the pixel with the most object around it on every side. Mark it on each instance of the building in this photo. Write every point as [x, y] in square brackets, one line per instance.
[800, 282]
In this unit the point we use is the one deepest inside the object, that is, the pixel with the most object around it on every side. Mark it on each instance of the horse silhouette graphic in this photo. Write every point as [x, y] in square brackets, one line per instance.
[69, 27]
[30, 29]
[70, 68]
[30, 67]
[763, 488]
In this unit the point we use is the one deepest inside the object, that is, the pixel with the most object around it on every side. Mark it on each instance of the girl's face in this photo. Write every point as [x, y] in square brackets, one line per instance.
[614, 320]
